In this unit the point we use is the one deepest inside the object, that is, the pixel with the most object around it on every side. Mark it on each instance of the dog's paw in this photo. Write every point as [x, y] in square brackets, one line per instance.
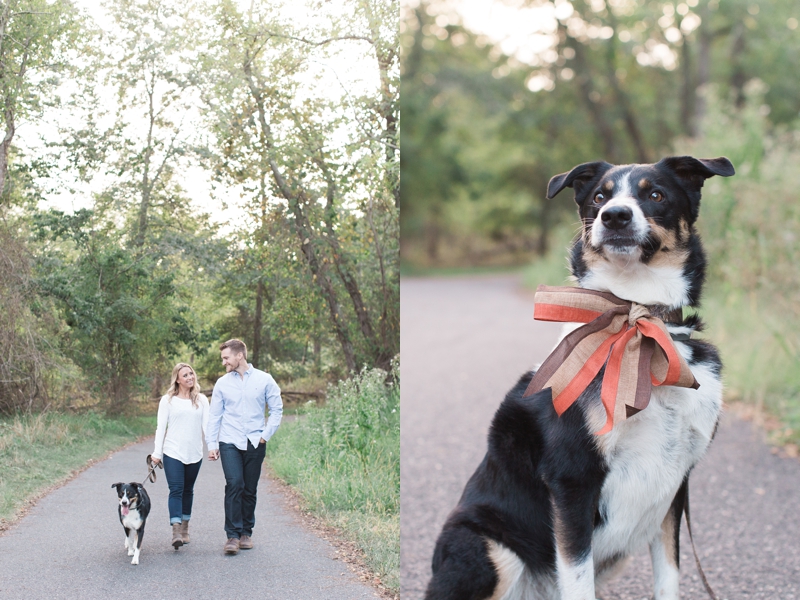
[131, 552]
[135, 560]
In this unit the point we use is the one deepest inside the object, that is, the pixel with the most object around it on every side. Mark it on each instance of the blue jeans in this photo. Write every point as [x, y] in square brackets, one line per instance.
[242, 470]
[180, 478]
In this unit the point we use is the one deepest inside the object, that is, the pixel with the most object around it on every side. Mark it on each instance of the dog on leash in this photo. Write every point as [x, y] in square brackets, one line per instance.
[134, 506]
[555, 509]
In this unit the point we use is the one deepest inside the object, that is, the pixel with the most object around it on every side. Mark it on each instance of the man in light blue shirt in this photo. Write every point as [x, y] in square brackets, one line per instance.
[237, 434]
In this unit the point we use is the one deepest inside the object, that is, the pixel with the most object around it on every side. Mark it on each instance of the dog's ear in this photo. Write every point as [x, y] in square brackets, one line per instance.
[694, 171]
[577, 178]
[116, 485]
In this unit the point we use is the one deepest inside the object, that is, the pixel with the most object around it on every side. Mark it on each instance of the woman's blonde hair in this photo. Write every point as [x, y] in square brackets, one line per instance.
[174, 386]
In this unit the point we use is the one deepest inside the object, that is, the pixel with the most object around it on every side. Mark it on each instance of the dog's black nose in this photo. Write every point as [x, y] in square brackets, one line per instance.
[617, 217]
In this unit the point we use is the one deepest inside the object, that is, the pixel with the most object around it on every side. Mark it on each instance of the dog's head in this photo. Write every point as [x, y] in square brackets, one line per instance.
[129, 495]
[638, 239]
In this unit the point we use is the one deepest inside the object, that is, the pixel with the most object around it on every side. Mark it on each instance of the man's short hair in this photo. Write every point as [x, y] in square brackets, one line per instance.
[236, 346]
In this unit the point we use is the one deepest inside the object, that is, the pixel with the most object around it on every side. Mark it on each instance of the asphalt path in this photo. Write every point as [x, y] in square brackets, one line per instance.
[71, 545]
[465, 341]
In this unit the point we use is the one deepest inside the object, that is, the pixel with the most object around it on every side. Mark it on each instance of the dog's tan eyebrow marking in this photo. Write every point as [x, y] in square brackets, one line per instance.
[644, 183]
[608, 186]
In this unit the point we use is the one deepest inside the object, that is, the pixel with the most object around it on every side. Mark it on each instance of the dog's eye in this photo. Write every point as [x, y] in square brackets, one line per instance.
[656, 196]
[599, 197]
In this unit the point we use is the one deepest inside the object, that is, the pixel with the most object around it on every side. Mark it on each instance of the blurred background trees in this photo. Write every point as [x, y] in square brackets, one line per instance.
[487, 120]
[178, 174]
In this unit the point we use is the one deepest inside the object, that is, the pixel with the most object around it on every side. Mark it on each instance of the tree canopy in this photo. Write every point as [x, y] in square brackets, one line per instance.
[233, 171]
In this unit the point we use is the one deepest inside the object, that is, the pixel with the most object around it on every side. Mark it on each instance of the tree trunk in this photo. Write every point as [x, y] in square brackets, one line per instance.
[629, 117]
[738, 75]
[386, 57]
[591, 98]
[257, 323]
[144, 203]
[703, 69]
[688, 91]
[344, 268]
[304, 230]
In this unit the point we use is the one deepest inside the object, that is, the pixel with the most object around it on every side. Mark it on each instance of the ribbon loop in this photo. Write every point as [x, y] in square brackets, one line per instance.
[634, 346]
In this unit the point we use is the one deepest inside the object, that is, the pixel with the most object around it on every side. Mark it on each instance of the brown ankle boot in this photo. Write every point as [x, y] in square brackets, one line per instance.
[177, 542]
[185, 531]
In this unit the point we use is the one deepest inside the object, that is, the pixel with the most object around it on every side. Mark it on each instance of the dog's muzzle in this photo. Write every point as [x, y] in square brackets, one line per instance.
[617, 217]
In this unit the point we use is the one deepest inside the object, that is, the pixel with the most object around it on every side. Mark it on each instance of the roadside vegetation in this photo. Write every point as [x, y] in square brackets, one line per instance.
[39, 451]
[344, 459]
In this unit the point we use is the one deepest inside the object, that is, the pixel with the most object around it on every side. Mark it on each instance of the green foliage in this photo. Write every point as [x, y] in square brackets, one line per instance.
[486, 126]
[317, 171]
[750, 224]
[116, 304]
[43, 449]
[344, 458]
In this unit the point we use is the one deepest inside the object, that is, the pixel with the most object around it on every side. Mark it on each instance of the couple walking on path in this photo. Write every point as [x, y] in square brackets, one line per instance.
[235, 432]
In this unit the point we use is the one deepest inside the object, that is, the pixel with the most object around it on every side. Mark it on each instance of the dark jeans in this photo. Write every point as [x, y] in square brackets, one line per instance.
[242, 470]
[180, 478]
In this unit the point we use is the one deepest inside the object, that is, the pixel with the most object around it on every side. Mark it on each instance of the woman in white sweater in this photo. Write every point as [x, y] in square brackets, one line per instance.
[183, 416]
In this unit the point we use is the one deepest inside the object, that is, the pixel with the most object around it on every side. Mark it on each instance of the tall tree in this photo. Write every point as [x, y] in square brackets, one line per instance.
[34, 37]
[290, 143]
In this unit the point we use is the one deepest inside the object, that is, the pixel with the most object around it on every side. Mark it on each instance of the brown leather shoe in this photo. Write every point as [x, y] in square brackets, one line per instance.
[177, 541]
[231, 546]
[185, 531]
[245, 542]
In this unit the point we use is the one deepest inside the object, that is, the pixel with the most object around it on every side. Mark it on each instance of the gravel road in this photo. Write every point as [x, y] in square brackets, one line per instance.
[70, 546]
[465, 341]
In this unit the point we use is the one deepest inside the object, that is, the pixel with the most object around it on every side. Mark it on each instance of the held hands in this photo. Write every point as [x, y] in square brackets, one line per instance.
[155, 460]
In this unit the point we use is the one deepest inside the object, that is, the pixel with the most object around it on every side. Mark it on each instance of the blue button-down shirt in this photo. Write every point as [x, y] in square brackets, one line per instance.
[237, 408]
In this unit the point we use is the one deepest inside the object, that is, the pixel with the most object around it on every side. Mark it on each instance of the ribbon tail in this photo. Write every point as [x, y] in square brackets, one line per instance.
[609, 393]
[585, 375]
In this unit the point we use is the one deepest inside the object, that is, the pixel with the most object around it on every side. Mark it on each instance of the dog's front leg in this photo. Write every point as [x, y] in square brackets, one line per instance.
[664, 550]
[573, 527]
[130, 540]
[139, 536]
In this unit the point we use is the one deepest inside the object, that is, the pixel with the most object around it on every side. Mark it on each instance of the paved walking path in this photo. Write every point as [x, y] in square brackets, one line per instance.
[465, 341]
[70, 546]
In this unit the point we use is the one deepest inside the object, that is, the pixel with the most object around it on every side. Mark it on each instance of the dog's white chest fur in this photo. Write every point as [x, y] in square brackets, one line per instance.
[133, 519]
[648, 455]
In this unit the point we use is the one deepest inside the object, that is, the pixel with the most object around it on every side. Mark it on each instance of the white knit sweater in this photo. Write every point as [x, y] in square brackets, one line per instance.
[184, 426]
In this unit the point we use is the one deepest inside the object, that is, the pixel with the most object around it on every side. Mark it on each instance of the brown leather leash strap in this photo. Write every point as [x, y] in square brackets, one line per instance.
[710, 591]
[151, 474]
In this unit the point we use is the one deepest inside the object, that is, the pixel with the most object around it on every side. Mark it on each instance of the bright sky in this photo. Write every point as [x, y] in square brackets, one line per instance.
[521, 31]
[348, 71]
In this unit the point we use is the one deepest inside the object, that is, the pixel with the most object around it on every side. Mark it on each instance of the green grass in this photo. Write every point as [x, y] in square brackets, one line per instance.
[41, 450]
[344, 459]
[759, 353]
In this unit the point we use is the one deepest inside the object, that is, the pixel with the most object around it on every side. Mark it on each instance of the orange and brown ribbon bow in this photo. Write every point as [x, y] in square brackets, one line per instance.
[634, 346]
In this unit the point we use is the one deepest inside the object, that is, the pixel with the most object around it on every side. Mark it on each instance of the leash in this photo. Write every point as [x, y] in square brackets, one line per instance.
[710, 591]
[151, 474]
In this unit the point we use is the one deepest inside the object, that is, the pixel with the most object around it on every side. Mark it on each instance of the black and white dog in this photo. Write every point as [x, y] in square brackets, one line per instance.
[553, 509]
[134, 506]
